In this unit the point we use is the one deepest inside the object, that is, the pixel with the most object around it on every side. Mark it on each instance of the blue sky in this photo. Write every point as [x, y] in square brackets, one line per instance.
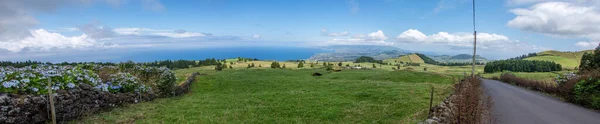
[506, 28]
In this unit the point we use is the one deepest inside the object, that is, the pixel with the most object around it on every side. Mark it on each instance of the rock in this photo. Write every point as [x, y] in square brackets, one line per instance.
[431, 121]
[4, 99]
[84, 86]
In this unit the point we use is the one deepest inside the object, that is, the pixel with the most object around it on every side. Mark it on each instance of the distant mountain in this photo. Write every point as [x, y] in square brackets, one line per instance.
[351, 53]
[458, 58]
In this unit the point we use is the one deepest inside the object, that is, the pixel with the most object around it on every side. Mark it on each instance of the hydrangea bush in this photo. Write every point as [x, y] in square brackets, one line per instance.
[562, 79]
[34, 79]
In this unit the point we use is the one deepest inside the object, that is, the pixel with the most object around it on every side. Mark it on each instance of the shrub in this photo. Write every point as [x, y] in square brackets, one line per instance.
[125, 82]
[532, 84]
[34, 79]
[166, 83]
[587, 92]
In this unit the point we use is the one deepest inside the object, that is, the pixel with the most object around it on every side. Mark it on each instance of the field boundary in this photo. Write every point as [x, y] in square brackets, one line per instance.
[185, 86]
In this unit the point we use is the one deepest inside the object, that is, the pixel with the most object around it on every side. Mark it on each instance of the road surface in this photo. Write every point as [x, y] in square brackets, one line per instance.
[515, 105]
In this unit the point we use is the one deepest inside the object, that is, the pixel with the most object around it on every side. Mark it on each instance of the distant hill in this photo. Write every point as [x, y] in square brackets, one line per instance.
[568, 59]
[458, 58]
[412, 58]
[351, 53]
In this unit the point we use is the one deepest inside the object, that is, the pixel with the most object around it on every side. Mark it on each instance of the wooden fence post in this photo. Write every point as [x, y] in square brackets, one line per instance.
[430, 101]
[51, 100]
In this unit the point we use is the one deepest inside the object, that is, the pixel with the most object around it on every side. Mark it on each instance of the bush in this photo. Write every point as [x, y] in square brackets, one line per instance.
[532, 84]
[166, 84]
[34, 79]
[125, 82]
[587, 92]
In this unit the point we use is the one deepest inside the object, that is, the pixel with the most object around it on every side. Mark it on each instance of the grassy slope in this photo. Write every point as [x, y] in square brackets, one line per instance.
[564, 62]
[568, 60]
[291, 96]
[414, 58]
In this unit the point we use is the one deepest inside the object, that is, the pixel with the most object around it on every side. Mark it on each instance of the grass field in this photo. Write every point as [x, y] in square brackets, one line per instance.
[569, 55]
[564, 62]
[291, 96]
[414, 58]
[568, 60]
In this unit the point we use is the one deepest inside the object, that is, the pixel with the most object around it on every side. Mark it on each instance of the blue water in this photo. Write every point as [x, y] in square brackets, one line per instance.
[262, 53]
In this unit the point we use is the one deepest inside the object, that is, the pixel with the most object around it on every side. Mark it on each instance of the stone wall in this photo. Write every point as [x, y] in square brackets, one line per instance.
[185, 86]
[71, 104]
[443, 113]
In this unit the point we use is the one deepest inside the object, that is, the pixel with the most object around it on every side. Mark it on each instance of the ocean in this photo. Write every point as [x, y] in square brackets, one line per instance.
[261, 53]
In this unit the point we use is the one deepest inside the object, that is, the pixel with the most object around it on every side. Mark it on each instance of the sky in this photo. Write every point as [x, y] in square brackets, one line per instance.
[99, 30]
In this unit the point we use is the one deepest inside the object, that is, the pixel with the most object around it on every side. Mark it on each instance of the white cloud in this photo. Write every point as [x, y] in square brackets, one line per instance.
[325, 32]
[461, 40]
[528, 2]
[179, 35]
[158, 32]
[42, 40]
[255, 36]
[374, 38]
[522, 2]
[587, 45]
[129, 31]
[558, 19]
[96, 31]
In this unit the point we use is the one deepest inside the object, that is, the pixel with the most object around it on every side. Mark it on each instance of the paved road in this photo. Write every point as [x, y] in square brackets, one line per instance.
[515, 105]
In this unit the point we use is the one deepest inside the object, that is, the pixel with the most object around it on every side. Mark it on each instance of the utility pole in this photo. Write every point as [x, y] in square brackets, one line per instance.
[474, 42]
[474, 53]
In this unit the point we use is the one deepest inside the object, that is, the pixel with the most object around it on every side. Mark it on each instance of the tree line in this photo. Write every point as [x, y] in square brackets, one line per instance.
[428, 60]
[172, 64]
[19, 64]
[367, 59]
[524, 56]
[521, 66]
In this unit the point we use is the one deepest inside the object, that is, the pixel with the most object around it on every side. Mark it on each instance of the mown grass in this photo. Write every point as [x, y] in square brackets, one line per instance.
[414, 58]
[291, 96]
[569, 55]
[569, 60]
[567, 63]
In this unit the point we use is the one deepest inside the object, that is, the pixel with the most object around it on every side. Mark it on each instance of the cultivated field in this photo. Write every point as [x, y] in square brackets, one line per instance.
[413, 58]
[291, 96]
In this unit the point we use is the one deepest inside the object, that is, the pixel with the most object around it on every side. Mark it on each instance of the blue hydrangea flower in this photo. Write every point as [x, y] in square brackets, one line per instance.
[71, 85]
[35, 89]
[116, 87]
[25, 80]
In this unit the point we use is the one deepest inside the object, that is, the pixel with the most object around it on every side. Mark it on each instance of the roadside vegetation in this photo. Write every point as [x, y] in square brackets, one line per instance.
[582, 88]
